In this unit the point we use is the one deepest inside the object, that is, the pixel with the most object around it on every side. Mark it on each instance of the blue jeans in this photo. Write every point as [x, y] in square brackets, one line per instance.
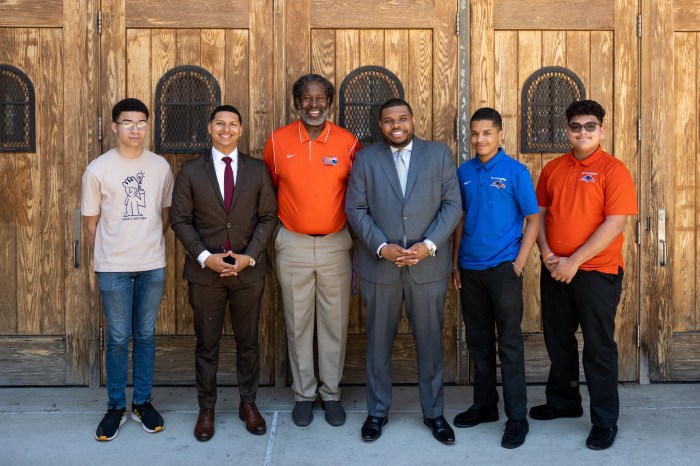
[130, 302]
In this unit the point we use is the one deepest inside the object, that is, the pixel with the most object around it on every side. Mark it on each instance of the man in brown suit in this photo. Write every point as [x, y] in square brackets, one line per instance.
[223, 212]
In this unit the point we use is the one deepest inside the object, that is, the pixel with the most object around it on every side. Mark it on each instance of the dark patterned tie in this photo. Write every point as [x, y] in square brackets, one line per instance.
[228, 191]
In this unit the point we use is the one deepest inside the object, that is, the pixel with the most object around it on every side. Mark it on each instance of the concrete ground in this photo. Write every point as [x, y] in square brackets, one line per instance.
[659, 424]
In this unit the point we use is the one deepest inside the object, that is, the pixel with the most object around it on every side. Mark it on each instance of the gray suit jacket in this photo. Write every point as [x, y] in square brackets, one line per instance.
[200, 221]
[378, 212]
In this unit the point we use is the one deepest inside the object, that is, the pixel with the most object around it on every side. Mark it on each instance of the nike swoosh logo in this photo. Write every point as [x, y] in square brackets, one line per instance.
[466, 183]
[291, 155]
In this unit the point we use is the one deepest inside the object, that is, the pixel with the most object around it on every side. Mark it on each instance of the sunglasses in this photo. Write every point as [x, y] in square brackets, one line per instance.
[589, 127]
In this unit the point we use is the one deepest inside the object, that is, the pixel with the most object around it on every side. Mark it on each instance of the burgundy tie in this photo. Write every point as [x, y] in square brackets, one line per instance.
[228, 191]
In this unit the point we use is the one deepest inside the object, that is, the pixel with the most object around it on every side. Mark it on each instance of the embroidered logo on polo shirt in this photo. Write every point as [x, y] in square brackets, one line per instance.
[588, 177]
[498, 183]
[330, 161]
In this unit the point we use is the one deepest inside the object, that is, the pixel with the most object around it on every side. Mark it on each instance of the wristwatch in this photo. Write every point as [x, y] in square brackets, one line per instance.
[252, 262]
[431, 248]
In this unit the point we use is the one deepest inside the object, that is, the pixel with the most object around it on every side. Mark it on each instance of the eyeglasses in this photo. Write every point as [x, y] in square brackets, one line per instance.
[129, 125]
[589, 127]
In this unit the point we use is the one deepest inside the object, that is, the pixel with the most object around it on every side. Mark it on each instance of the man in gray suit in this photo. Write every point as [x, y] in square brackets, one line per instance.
[403, 202]
[224, 210]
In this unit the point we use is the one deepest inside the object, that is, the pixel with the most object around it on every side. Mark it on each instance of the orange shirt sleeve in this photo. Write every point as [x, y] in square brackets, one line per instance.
[620, 195]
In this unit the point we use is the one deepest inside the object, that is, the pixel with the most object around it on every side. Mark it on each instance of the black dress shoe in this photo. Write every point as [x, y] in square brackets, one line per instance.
[601, 438]
[475, 415]
[548, 412]
[441, 429]
[372, 428]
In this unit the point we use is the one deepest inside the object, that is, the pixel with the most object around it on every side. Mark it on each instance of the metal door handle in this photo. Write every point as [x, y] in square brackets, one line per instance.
[76, 239]
[663, 247]
[76, 254]
[663, 256]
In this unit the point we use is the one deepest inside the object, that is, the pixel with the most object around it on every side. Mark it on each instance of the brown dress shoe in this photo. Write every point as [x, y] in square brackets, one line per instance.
[254, 422]
[204, 429]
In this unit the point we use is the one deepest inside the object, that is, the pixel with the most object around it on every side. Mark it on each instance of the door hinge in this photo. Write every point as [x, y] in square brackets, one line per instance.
[639, 232]
[457, 23]
[639, 129]
[639, 336]
[99, 21]
[102, 338]
[99, 128]
[639, 25]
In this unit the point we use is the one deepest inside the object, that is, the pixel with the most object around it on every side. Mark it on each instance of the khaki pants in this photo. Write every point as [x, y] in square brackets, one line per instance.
[315, 275]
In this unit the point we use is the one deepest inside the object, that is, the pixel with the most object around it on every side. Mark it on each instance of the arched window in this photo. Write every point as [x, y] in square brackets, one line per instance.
[546, 95]
[362, 93]
[185, 97]
[16, 111]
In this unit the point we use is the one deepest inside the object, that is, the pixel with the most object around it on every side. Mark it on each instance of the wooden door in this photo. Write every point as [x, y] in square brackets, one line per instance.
[511, 40]
[415, 40]
[141, 41]
[670, 155]
[48, 325]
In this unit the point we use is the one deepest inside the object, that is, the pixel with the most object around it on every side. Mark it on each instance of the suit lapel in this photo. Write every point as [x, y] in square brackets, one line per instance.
[211, 175]
[416, 165]
[386, 160]
[240, 179]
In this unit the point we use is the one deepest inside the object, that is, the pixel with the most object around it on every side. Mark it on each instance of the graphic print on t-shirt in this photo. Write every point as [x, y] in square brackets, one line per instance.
[135, 197]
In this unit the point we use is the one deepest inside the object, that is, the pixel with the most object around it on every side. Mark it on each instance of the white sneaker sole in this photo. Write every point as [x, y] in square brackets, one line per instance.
[143, 426]
[108, 439]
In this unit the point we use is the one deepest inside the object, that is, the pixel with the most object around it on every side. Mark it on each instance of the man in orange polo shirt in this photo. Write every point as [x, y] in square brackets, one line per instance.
[310, 160]
[585, 197]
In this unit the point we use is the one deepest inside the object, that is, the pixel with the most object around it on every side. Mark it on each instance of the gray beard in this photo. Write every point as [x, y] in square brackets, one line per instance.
[310, 121]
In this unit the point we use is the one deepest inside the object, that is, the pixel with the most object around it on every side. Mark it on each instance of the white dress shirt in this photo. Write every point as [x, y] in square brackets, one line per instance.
[219, 167]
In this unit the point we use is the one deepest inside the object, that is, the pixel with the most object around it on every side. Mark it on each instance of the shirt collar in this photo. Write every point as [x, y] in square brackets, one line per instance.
[304, 135]
[491, 163]
[406, 149]
[588, 161]
[218, 156]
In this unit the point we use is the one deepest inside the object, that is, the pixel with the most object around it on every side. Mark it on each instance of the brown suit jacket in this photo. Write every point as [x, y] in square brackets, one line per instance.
[200, 220]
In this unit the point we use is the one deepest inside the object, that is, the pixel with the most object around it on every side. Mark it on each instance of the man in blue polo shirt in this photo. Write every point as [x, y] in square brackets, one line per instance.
[488, 260]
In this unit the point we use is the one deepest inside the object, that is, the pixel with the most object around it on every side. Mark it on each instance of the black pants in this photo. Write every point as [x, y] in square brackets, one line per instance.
[590, 300]
[495, 297]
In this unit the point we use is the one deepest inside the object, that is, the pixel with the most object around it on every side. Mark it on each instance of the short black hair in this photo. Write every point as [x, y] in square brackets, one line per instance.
[129, 105]
[394, 102]
[312, 77]
[225, 108]
[489, 114]
[585, 107]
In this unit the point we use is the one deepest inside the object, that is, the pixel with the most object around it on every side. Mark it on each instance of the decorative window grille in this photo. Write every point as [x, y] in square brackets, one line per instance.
[185, 97]
[362, 93]
[546, 95]
[16, 111]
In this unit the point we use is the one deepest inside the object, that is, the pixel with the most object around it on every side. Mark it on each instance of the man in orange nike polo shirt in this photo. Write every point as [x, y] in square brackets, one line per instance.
[585, 197]
[310, 160]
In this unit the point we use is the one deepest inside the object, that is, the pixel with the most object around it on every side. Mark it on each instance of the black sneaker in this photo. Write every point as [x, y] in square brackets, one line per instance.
[548, 412]
[335, 414]
[146, 414]
[515, 433]
[601, 438]
[475, 415]
[303, 414]
[109, 425]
